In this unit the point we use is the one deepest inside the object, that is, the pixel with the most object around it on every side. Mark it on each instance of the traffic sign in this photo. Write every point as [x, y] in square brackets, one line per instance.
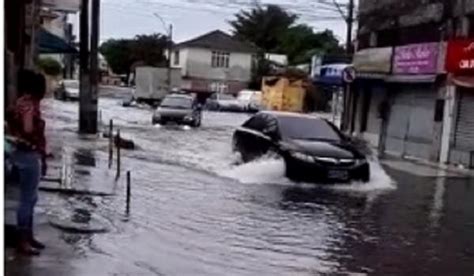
[349, 74]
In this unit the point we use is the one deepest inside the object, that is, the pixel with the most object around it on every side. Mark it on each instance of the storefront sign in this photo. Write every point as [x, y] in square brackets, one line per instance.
[375, 60]
[332, 74]
[460, 57]
[416, 59]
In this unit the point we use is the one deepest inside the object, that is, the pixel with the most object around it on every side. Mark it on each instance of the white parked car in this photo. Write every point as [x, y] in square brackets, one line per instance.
[224, 102]
[67, 90]
[251, 99]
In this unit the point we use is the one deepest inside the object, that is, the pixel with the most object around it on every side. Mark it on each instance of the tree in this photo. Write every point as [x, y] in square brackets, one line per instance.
[149, 49]
[273, 29]
[50, 66]
[300, 43]
[262, 26]
[118, 53]
[121, 54]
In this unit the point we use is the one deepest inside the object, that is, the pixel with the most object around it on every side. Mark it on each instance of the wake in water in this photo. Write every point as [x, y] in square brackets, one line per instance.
[272, 170]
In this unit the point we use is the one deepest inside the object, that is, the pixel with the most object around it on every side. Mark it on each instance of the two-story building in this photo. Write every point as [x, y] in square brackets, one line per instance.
[214, 62]
[405, 100]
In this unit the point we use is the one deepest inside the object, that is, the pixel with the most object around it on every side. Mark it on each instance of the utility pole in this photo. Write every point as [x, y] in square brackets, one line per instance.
[349, 22]
[169, 30]
[347, 96]
[84, 77]
[170, 52]
[94, 72]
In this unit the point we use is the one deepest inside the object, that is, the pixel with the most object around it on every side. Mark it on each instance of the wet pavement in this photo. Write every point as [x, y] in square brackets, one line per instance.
[196, 211]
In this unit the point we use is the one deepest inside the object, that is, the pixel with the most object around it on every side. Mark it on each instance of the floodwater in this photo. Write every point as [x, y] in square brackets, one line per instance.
[196, 211]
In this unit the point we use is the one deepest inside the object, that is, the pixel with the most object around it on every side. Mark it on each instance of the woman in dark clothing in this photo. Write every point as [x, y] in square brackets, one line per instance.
[26, 129]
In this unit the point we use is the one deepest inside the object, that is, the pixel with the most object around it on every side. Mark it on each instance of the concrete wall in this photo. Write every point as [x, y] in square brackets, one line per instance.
[196, 63]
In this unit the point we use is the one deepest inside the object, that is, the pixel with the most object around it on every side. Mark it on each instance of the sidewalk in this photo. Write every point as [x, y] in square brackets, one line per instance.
[424, 168]
[66, 213]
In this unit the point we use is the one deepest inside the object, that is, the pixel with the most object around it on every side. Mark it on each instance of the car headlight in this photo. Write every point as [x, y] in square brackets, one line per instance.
[360, 161]
[188, 117]
[302, 156]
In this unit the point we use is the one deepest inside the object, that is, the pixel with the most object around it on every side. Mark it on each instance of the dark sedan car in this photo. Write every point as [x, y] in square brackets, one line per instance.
[314, 150]
[180, 109]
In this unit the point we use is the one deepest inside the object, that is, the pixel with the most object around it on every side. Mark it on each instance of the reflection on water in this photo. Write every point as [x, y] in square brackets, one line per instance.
[194, 212]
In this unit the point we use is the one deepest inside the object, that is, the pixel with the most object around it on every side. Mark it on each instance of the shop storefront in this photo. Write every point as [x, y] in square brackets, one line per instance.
[460, 65]
[330, 82]
[412, 125]
[369, 92]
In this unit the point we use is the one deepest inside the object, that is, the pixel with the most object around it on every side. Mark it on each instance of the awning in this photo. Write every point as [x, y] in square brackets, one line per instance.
[464, 81]
[411, 78]
[370, 76]
[53, 44]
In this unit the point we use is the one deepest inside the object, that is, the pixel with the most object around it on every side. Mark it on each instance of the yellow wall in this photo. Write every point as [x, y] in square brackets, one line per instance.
[283, 95]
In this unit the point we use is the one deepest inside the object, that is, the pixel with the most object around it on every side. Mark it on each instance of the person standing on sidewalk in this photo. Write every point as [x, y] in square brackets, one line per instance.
[26, 130]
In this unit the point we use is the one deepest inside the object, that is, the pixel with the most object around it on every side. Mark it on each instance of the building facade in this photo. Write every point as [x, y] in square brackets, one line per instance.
[214, 62]
[405, 100]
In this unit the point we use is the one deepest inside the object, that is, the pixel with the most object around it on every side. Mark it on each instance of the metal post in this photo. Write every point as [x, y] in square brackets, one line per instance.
[127, 210]
[350, 21]
[84, 95]
[345, 117]
[170, 49]
[118, 152]
[94, 67]
[111, 142]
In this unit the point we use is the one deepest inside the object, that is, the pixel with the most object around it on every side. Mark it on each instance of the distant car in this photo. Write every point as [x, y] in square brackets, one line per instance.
[313, 149]
[181, 109]
[67, 90]
[250, 99]
[224, 102]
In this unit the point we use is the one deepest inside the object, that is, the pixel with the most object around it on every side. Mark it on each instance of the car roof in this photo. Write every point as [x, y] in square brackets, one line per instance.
[187, 96]
[279, 114]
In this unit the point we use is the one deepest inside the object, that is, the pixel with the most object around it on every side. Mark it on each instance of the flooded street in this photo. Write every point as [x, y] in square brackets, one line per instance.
[196, 211]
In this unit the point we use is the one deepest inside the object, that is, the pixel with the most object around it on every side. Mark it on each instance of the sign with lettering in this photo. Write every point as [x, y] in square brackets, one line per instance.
[416, 59]
[460, 57]
[373, 60]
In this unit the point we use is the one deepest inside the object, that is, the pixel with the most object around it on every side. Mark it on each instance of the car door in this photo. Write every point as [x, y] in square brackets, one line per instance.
[250, 139]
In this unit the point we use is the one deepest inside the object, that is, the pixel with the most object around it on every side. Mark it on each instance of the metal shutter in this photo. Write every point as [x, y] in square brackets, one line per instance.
[464, 136]
[410, 128]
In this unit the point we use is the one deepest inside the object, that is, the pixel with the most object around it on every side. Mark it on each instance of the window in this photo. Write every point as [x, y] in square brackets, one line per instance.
[219, 87]
[220, 59]
[176, 57]
[177, 102]
[266, 124]
[303, 128]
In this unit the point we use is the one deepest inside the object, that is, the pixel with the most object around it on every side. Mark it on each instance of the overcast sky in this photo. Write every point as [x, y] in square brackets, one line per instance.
[190, 18]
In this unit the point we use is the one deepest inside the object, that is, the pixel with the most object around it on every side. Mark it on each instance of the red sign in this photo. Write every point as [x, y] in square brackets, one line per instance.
[460, 57]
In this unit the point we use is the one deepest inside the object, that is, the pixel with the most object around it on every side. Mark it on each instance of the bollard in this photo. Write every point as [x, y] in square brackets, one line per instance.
[128, 192]
[111, 142]
[118, 153]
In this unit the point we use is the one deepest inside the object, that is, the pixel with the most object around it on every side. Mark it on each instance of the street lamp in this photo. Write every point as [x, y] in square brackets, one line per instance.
[169, 34]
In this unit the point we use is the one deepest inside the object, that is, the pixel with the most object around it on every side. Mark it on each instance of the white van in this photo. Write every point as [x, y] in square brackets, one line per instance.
[251, 99]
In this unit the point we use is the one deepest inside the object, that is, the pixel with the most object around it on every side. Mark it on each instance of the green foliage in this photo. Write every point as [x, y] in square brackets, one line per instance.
[262, 26]
[149, 49]
[118, 53]
[272, 29]
[50, 66]
[121, 54]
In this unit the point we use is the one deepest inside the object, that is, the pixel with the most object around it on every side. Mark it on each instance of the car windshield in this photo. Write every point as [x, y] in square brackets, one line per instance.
[302, 128]
[71, 84]
[225, 97]
[177, 102]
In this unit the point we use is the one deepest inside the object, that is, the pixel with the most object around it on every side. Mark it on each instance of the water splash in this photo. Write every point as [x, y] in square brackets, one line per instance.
[271, 170]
